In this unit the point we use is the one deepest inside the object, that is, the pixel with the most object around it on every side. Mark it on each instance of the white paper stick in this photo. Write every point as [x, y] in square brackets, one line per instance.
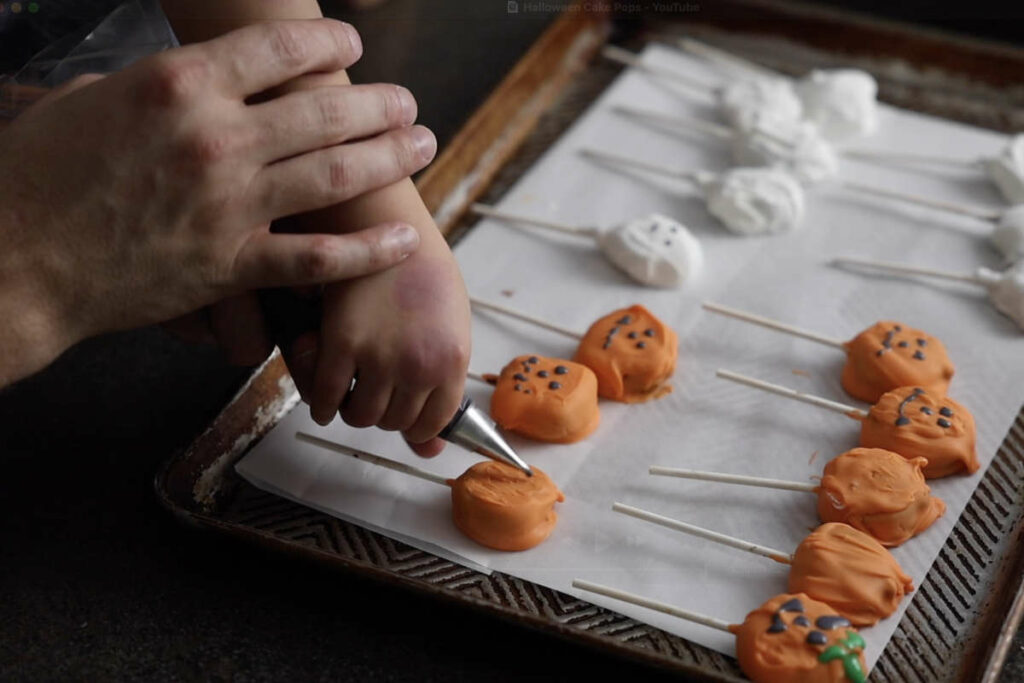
[813, 400]
[512, 313]
[631, 59]
[606, 157]
[978, 212]
[641, 601]
[906, 157]
[732, 542]
[742, 480]
[491, 212]
[371, 458]
[478, 377]
[773, 324]
[686, 123]
[903, 269]
[719, 56]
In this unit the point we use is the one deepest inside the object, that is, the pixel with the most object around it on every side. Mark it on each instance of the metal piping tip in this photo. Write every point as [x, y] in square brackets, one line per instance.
[473, 429]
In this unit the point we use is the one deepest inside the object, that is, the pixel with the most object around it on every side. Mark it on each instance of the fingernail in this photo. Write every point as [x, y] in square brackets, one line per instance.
[401, 238]
[408, 104]
[353, 38]
[425, 142]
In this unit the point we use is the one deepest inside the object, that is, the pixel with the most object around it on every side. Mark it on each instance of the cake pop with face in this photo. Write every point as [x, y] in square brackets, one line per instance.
[841, 102]
[655, 250]
[632, 353]
[755, 201]
[890, 354]
[1007, 170]
[744, 101]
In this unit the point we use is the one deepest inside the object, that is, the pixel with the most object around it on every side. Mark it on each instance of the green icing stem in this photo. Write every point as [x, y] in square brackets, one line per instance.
[848, 651]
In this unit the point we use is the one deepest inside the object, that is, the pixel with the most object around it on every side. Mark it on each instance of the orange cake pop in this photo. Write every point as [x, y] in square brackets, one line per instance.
[922, 424]
[850, 571]
[546, 399]
[498, 506]
[888, 355]
[883, 357]
[632, 353]
[880, 493]
[793, 637]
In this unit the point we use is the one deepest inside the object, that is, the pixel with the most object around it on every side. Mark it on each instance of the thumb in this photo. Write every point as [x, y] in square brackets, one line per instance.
[291, 260]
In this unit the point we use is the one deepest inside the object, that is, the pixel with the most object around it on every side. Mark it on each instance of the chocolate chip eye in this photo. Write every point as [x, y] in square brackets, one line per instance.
[816, 638]
[802, 621]
[943, 422]
[648, 332]
[533, 359]
[632, 335]
[897, 328]
[561, 370]
[903, 344]
[554, 385]
[624, 320]
[641, 345]
[902, 421]
[922, 342]
[926, 410]
[945, 412]
[518, 387]
[542, 373]
[519, 376]
[918, 355]
[668, 243]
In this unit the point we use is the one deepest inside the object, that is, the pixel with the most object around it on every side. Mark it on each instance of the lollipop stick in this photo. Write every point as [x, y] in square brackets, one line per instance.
[477, 303]
[631, 59]
[732, 542]
[773, 324]
[904, 157]
[978, 212]
[901, 269]
[678, 122]
[618, 160]
[724, 58]
[479, 378]
[490, 212]
[641, 601]
[371, 458]
[834, 406]
[733, 479]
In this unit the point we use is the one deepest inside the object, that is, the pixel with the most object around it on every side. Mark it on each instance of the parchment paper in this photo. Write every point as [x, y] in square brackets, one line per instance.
[707, 423]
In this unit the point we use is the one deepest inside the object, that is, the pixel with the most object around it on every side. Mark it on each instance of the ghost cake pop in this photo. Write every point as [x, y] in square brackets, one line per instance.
[873, 490]
[886, 355]
[654, 250]
[792, 638]
[497, 505]
[747, 201]
[841, 102]
[632, 353]
[1005, 289]
[793, 146]
[836, 564]
[546, 399]
[1008, 234]
[910, 421]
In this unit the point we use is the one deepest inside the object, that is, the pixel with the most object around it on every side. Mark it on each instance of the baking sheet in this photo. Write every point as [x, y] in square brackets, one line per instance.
[707, 423]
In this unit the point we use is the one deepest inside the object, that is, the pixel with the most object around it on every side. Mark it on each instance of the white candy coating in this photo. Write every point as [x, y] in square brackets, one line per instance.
[794, 146]
[1008, 237]
[755, 201]
[841, 102]
[744, 101]
[1007, 170]
[1006, 290]
[655, 250]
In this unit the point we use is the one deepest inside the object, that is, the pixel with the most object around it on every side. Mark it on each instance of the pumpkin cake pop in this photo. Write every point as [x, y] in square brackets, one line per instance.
[498, 506]
[546, 399]
[836, 564]
[792, 638]
[908, 420]
[883, 357]
[495, 504]
[873, 490]
[632, 353]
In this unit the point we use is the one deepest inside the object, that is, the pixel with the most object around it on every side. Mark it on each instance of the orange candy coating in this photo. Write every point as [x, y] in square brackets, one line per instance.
[500, 507]
[632, 353]
[890, 354]
[850, 571]
[772, 643]
[880, 493]
[917, 423]
[546, 399]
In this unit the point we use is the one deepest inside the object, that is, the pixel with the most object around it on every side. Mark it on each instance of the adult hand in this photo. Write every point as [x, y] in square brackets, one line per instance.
[138, 197]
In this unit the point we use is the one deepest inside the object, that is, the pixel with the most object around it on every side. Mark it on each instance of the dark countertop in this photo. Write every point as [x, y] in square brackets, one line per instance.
[98, 583]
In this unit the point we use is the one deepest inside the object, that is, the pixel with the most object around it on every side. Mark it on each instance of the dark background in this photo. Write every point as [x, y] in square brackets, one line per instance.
[98, 583]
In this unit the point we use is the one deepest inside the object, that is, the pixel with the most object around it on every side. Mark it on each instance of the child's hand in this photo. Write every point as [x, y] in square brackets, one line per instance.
[404, 336]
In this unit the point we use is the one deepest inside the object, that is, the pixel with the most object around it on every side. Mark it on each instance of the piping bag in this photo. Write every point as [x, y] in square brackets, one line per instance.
[289, 315]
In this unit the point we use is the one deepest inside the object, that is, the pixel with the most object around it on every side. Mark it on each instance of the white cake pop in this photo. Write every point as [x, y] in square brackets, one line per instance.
[1008, 236]
[755, 201]
[1007, 170]
[655, 250]
[1006, 289]
[744, 101]
[795, 146]
[841, 102]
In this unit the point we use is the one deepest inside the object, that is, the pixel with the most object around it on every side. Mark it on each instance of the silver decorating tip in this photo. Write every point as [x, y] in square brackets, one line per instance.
[471, 428]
